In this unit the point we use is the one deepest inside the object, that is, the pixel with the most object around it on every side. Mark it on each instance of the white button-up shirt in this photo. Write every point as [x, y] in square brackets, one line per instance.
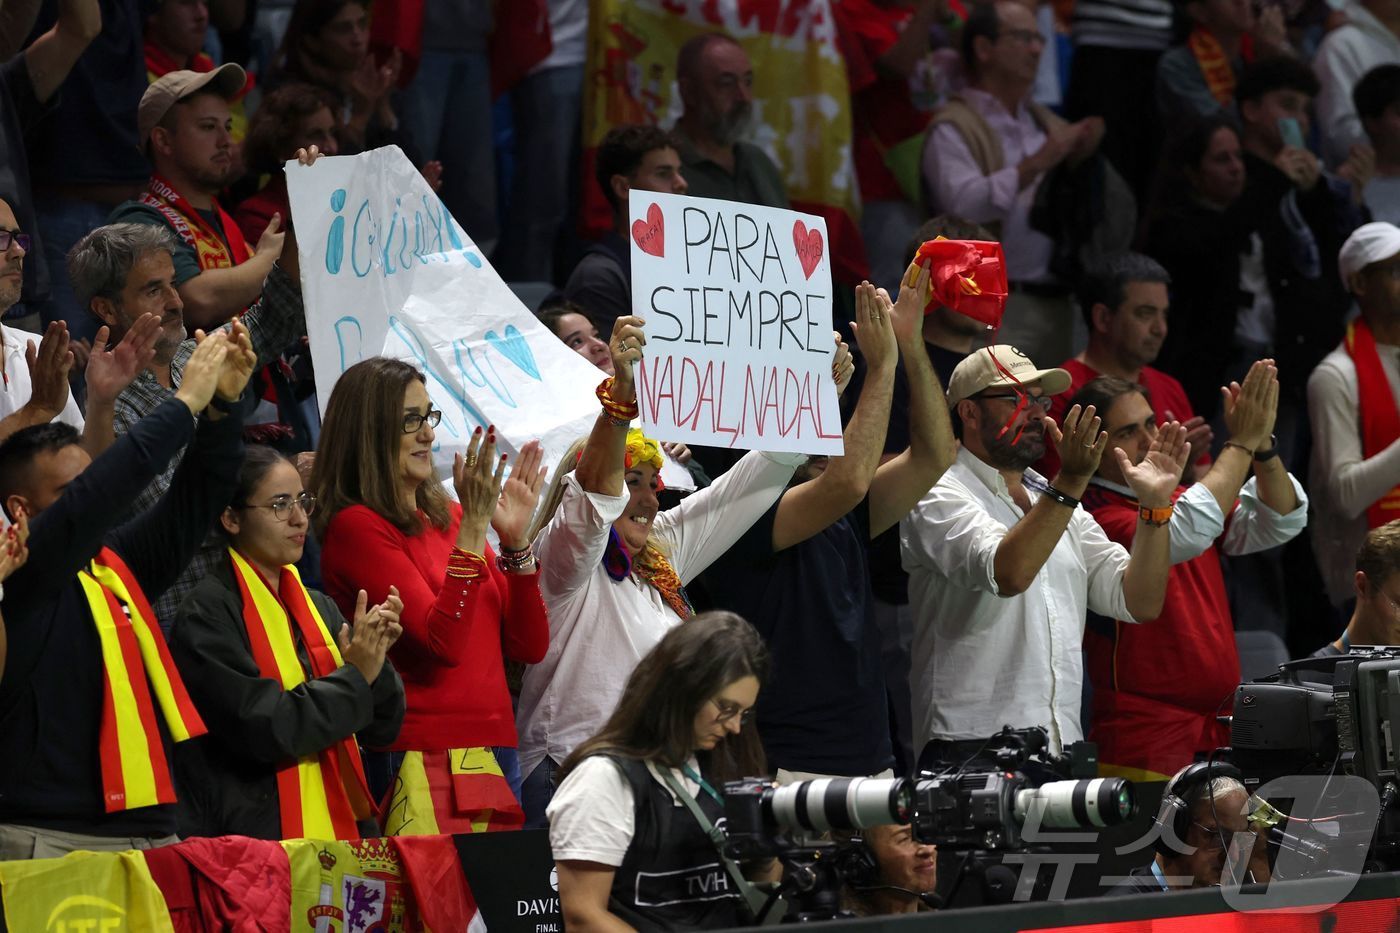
[17, 389]
[599, 628]
[981, 660]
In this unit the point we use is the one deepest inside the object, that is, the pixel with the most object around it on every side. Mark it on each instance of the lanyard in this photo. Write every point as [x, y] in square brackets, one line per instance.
[704, 784]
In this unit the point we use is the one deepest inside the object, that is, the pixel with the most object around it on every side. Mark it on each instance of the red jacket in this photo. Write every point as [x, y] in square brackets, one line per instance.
[455, 635]
[1158, 686]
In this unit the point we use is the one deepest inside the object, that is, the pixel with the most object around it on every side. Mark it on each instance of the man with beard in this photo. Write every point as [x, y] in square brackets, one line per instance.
[122, 271]
[185, 127]
[1158, 688]
[35, 378]
[1003, 565]
[715, 79]
[1124, 302]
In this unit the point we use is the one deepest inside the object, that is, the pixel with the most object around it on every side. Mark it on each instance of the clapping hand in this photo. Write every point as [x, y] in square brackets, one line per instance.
[201, 374]
[375, 631]
[1251, 409]
[111, 371]
[520, 493]
[478, 476]
[873, 328]
[843, 367]
[14, 549]
[1080, 443]
[49, 364]
[907, 312]
[1155, 479]
[239, 364]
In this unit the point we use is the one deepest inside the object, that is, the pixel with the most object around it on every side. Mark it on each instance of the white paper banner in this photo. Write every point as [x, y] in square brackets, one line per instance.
[386, 271]
[737, 304]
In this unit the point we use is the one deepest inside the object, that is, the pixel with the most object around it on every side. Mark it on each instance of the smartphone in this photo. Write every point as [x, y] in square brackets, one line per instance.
[1290, 132]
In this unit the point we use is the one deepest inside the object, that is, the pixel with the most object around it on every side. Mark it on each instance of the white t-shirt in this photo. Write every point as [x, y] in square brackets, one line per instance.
[568, 34]
[592, 816]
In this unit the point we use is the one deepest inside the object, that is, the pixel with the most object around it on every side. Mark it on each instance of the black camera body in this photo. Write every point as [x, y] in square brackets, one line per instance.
[982, 803]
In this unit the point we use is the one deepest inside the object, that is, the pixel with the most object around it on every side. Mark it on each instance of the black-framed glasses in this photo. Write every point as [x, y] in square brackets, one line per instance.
[728, 711]
[13, 236]
[282, 506]
[1043, 401]
[413, 422]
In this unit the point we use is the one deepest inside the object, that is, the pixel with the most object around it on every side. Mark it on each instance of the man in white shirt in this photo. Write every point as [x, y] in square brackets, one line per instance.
[1003, 565]
[989, 149]
[1355, 470]
[34, 379]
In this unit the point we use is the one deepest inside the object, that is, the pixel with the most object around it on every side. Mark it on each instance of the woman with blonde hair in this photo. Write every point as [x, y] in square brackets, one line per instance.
[615, 566]
[386, 521]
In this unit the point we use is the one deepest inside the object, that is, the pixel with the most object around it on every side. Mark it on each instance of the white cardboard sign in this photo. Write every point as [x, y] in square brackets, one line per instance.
[737, 304]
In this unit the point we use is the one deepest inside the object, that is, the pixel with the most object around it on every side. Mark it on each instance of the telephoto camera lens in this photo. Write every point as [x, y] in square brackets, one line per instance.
[842, 803]
[1079, 804]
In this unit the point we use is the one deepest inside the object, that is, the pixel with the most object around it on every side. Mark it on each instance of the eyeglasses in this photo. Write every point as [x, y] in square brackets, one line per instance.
[13, 236]
[1042, 400]
[728, 711]
[413, 422]
[282, 506]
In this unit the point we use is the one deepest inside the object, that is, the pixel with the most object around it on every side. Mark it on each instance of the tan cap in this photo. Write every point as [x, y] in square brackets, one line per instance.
[980, 372]
[167, 90]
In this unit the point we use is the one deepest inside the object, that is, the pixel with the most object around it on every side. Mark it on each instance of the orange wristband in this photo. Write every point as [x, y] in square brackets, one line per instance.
[1155, 517]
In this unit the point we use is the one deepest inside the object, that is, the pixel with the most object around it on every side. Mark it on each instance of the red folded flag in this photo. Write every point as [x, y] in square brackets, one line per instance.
[968, 276]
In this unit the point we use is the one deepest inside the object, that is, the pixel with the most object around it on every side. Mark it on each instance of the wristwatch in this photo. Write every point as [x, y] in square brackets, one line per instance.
[1260, 456]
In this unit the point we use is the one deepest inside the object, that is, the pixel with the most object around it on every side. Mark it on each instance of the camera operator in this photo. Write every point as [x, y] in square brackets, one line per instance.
[1203, 806]
[887, 871]
[1376, 618]
[630, 851]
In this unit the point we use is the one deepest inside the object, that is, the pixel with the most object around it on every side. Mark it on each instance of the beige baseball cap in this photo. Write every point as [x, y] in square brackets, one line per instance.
[979, 372]
[169, 89]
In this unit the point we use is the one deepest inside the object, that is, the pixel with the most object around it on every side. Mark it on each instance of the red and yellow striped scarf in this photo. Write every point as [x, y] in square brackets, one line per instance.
[1379, 415]
[1217, 69]
[135, 659]
[320, 796]
[213, 250]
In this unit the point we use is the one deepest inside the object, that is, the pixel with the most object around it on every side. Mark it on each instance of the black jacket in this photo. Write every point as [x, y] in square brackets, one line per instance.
[1201, 249]
[227, 779]
[51, 695]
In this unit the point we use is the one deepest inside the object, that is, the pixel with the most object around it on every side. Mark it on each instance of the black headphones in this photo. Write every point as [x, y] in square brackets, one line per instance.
[1176, 806]
[857, 864]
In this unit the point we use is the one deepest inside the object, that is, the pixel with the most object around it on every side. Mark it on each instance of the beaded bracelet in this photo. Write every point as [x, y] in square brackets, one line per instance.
[517, 561]
[466, 565]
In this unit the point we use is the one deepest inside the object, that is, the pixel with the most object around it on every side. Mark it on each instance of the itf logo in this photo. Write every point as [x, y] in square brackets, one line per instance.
[84, 913]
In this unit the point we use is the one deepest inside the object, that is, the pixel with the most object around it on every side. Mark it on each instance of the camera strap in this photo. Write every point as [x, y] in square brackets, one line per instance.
[756, 899]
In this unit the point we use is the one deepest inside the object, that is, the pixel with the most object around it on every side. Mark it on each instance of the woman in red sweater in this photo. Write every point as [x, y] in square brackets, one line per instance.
[387, 521]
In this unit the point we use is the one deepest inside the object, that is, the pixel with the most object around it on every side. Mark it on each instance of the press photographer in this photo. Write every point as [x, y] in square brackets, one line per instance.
[637, 803]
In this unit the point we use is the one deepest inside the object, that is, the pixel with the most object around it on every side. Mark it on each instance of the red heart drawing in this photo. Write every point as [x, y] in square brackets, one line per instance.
[651, 233]
[809, 247]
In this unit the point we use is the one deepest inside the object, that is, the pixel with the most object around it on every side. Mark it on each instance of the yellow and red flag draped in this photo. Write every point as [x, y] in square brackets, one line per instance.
[802, 101]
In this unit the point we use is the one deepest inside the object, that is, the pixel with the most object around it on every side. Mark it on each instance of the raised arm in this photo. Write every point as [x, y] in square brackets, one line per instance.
[525, 626]
[808, 508]
[1029, 543]
[215, 295]
[52, 56]
[901, 482]
[602, 468]
[1153, 481]
[49, 364]
[109, 372]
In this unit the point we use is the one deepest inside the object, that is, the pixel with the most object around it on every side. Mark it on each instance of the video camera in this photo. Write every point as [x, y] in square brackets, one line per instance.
[1328, 716]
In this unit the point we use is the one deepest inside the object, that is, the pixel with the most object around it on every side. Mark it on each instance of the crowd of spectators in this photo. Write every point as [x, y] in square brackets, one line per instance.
[1176, 463]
